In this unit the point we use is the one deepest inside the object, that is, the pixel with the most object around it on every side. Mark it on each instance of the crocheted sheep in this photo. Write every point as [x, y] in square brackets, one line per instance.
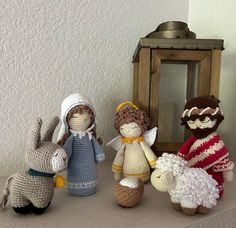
[192, 190]
[33, 190]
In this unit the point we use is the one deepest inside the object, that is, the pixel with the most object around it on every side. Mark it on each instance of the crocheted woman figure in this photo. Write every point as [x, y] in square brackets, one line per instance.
[134, 156]
[78, 140]
[205, 149]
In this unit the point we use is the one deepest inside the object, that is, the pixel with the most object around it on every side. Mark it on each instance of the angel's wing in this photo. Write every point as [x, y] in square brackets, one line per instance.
[150, 136]
[115, 143]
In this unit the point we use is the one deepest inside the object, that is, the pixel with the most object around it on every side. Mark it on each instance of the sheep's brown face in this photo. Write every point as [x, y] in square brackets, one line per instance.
[163, 181]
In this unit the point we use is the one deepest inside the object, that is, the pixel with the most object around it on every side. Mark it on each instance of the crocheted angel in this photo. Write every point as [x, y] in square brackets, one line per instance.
[134, 156]
[77, 136]
[205, 149]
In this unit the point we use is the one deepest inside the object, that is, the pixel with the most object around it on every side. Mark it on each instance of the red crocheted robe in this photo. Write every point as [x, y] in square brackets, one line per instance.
[210, 154]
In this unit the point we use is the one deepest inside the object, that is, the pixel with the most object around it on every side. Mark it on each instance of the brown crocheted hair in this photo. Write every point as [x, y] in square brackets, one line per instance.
[202, 102]
[128, 114]
[81, 109]
[78, 109]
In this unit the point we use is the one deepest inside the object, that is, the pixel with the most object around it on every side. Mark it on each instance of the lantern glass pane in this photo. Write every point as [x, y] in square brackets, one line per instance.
[178, 82]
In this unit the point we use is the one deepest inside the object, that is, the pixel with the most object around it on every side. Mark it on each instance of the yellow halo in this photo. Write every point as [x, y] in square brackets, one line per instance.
[126, 103]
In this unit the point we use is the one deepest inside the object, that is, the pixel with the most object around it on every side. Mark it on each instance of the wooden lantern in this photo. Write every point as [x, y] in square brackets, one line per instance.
[201, 59]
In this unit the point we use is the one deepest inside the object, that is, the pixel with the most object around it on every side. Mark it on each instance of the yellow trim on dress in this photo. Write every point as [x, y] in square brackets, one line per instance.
[116, 168]
[137, 174]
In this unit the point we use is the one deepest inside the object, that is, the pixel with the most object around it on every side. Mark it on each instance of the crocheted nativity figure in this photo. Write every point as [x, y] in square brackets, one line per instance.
[205, 149]
[134, 156]
[77, 135]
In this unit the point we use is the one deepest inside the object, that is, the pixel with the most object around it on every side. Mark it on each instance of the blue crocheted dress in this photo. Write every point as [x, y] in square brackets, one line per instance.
[83, 153]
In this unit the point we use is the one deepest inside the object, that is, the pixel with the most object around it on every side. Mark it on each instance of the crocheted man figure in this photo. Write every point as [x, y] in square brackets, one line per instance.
[78, 139]
[205, 149]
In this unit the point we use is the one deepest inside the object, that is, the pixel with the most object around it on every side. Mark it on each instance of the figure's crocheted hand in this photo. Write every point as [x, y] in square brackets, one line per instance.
[228, 175]
[117, 176]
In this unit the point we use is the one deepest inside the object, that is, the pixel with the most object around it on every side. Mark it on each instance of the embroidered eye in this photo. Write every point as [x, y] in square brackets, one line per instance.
[206, 119]
[190, 122]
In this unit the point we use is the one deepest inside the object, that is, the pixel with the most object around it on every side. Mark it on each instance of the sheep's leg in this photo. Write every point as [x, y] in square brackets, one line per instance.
[203, 210]
[176, 206]
[175, 203]
[188, 207]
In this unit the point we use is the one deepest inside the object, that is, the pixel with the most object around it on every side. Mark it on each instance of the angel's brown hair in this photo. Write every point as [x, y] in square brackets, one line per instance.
[78, 109]
[128, 114]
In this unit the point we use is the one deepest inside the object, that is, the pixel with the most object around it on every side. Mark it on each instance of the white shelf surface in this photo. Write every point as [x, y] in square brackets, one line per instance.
[101, 210]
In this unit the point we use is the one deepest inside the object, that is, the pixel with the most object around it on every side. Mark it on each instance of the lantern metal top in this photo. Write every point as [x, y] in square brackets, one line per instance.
[172, 30]
[164, 37]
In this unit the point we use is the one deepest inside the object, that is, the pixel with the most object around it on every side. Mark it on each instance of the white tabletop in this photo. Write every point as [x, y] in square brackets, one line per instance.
[100, 210]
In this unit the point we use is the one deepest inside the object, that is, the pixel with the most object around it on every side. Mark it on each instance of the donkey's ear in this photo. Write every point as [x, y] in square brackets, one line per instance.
[34, 134]
[51, 128]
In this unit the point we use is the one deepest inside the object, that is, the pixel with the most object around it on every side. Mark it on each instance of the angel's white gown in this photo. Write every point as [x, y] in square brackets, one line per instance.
[134, 159]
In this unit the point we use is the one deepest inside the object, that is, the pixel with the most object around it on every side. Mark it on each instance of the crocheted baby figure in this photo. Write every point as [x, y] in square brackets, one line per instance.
[32, 191]
[205, 149]
[134, 156]
[81, 146]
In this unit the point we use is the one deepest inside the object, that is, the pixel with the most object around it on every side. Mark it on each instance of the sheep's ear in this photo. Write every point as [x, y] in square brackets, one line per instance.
[51, 128]
[34, 134]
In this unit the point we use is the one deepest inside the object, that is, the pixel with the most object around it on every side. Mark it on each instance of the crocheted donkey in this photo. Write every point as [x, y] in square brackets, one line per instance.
[32, 191]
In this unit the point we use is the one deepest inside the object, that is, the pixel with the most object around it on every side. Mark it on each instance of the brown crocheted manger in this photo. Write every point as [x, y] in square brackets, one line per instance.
[128, 114]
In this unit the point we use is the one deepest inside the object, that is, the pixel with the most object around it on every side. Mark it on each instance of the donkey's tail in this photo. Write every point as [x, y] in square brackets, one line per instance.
[6, 192]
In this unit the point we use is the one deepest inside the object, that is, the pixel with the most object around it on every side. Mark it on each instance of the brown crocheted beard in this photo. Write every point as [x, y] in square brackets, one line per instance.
[202, 133]
[128, 114]
[202, 103]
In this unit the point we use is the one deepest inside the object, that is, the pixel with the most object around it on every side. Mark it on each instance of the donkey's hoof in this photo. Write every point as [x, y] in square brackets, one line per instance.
[39, 211]
[23, 210]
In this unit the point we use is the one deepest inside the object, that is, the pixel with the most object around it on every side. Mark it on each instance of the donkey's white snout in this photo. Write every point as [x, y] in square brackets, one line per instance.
[59, 160]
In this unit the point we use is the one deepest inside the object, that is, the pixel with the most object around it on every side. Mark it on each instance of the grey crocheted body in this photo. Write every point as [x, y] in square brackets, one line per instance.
[35, 189]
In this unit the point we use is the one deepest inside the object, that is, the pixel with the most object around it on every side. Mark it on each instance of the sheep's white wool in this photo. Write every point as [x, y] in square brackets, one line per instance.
[171, 163]
[194, 186]
[130, 182]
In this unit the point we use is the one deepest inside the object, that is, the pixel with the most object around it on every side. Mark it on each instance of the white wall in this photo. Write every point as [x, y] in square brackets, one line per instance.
[50, 49]
[216, 19]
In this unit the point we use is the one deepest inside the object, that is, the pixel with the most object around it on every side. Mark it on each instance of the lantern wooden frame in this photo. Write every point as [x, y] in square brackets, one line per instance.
[149, 55]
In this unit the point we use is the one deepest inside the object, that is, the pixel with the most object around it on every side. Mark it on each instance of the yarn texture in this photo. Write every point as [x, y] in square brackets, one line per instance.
[127, 193]
[205, 149]
[210, 154]
[134, 156]
[82, 148]
[188, 187]
[34, 188]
